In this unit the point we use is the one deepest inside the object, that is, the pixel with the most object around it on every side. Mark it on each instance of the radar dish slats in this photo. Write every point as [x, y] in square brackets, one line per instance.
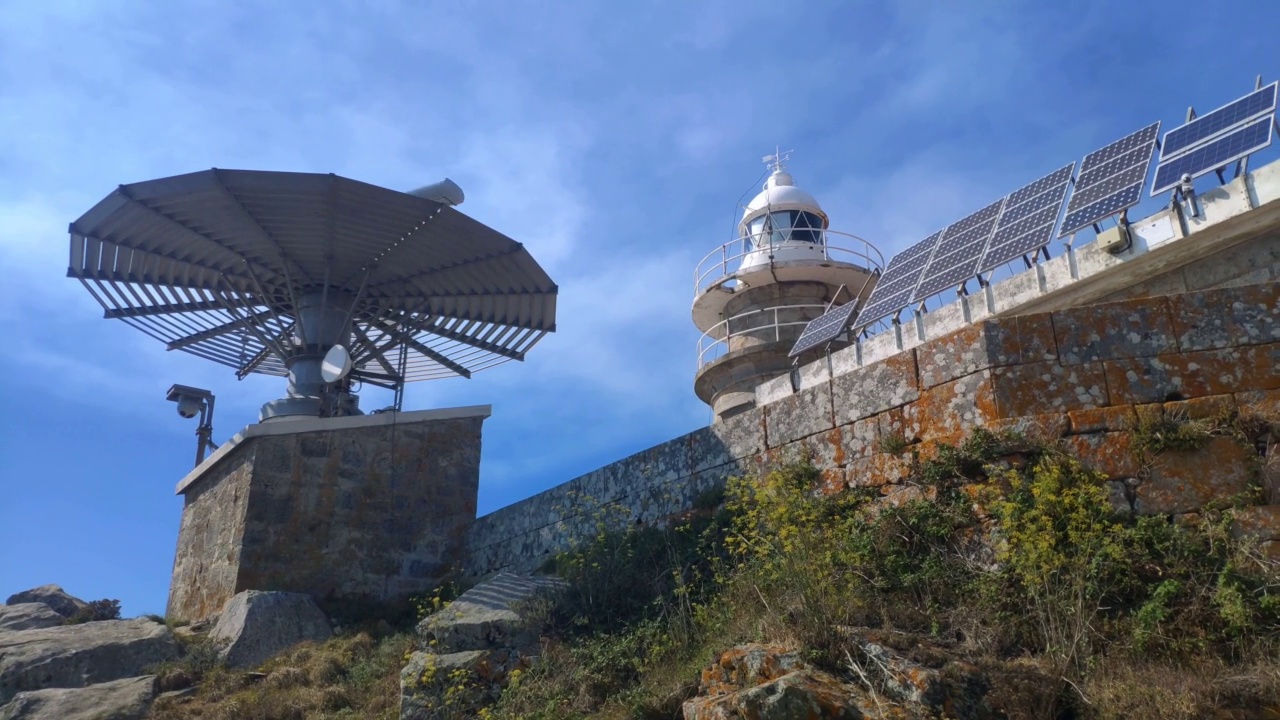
[1111, 179]
[1206, 158]
[824, 328]
[1259, 103]
[959, 251]
[175, 267]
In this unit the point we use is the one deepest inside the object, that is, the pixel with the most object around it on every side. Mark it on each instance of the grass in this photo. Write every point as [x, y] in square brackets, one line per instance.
[350, 676]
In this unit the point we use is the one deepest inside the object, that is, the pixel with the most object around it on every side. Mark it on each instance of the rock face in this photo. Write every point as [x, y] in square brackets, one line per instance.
[53, 596]
[127, 699]
[256, 625]
[28, 616]
[471, 648]
[74, 656]
[767, 682]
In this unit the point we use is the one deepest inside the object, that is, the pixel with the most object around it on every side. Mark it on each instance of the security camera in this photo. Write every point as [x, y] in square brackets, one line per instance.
[190, 400]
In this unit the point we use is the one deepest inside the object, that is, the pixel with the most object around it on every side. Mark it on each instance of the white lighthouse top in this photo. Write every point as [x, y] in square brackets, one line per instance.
[780, 194]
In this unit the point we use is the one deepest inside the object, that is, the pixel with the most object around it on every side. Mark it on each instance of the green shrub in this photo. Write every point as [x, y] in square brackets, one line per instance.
[105, 609]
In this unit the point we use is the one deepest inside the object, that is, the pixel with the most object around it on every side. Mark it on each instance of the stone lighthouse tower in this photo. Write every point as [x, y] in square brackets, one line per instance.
[754, 295]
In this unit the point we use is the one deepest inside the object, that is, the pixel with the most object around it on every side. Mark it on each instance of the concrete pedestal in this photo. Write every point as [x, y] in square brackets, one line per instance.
[369, 507]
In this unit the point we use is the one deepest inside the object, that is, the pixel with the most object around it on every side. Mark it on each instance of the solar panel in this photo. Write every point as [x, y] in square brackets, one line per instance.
[1027, 221]
[1214, 154]
[824, 328]
[1226, 118]
[1111, 179]
[893, 291]
[961, 247]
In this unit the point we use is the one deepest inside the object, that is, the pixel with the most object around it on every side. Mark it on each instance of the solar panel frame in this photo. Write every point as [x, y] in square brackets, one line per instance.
[959, 251]
[1215, 153]
[1220, 121]
[1111, 179]
[1027, 221]
[824, 328]
[893, 290]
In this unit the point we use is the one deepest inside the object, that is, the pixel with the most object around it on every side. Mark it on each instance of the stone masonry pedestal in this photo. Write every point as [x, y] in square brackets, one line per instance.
[372, 507]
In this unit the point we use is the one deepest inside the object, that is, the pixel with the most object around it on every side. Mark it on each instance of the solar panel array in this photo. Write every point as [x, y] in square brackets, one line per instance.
[824, 328]
[956, 257]
[1028, 219]
[1228, 117]
[898, 282]
[1111, 179]
[1204, 158]
[1216, 139]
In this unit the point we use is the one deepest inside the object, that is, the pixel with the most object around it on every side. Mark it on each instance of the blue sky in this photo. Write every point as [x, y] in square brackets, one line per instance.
[613, 139]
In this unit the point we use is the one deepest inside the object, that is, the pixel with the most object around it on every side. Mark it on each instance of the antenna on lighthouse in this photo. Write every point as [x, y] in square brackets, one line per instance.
[777, 161]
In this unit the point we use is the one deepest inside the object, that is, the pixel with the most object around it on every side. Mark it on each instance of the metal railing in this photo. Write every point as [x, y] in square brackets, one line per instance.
[715, 269]
[714, 343]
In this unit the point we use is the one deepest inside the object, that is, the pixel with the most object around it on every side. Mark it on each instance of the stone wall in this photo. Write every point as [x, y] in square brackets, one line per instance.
[375, 507]
[1080, 376]
[208, 557]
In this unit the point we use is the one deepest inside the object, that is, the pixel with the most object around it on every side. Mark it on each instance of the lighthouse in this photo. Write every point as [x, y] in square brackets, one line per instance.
[755, 294]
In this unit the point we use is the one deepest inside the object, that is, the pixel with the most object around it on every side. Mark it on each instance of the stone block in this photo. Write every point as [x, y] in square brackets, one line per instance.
[879, 469]
[1260, 403]
[1039, 388]
[806, 413]
[28, 616]
[1111, 453]
[1102, 419]
[1196, 374]
[1131, 328]
[1182, 482]
[953, 409]
[1201, 408]
[875, 388]
[993, 343]
[1257, 522]
[735, 438]
[1045, 427]
[860, 438]
[1213, 319]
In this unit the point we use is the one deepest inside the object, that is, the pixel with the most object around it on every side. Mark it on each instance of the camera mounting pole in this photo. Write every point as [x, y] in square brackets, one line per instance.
[190, 401]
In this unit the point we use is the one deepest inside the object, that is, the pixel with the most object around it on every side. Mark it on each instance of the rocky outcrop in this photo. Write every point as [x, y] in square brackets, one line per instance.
[767, 682]
[469, 650]
[127, 699]
[28, 616]
[53, 596]
[75, 656]
[255, 625]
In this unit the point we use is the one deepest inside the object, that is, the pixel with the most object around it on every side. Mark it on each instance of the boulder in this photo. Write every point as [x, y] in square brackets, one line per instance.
[28, 616]
[74, 656]
[256, 625]
[435, 687]
[767, 682]
[51, 595]
[488, 616]
[127, 699]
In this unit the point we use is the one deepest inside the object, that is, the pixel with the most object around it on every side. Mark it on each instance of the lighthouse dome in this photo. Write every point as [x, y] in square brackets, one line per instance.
[780, 193]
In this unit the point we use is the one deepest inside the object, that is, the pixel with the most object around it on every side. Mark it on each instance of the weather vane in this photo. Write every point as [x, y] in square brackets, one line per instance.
[776, 160]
